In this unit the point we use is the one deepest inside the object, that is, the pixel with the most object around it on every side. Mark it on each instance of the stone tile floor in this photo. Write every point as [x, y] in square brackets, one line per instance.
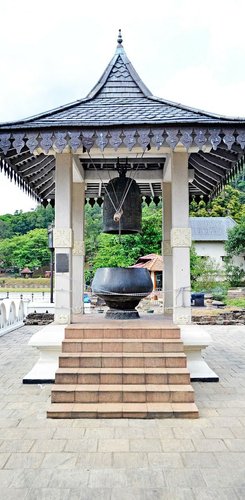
[123, 459]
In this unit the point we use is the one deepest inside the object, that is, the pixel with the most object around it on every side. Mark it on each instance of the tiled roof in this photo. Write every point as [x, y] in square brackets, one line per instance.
[120, 98]
[152, 262]
[150, 256]
[210, 228]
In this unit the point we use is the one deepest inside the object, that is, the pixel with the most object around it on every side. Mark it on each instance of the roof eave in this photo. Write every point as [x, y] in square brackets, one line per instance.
[14, 126]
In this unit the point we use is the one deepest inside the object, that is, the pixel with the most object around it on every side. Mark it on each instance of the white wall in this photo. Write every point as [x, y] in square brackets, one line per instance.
[215, 250]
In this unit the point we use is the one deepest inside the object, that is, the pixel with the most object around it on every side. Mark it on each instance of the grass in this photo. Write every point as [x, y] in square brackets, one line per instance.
[23, 285]
[240, 302]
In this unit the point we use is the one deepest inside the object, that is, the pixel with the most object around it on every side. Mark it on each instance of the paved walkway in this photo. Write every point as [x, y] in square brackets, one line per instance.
[123, 459]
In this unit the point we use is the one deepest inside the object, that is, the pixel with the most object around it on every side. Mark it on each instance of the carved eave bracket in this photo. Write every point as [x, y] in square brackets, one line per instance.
[191, 138]
[215, 153]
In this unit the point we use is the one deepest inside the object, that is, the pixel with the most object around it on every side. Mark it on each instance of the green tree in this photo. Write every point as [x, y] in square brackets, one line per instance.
[235, 244]
[93, 228]
[234, 274]
[197, 266]
[23, 222]
[230, 202]
[112, 252]
[29, 250]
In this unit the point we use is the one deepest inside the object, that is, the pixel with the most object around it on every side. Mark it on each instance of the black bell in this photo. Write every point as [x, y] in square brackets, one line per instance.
[122, 205]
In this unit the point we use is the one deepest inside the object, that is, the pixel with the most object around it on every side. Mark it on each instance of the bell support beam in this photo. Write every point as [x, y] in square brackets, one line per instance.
[78, 248]
[63, 238]
[180, 239]
[150, 176]
[78, 170]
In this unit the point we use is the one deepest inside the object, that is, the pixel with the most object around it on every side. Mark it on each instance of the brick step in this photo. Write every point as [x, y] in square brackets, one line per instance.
[125, 360]
[119, 393]
[122, 345]
[122, 410]
[122, 376]
[91, 332]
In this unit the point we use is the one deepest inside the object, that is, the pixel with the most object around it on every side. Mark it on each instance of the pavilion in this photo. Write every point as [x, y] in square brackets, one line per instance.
[68, 155]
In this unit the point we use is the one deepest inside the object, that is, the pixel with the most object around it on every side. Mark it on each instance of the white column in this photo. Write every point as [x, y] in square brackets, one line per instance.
[63, 237]
[166, 249]
[180, 239]
[78, 200]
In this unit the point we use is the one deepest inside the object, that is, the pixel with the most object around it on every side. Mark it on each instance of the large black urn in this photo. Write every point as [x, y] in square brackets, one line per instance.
[122, 289]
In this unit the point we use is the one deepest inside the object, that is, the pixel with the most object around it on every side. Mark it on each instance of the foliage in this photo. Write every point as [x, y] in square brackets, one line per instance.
[112, 252]
[220, 292]
[234, 274]
[235, 245]
[240, 302]
[23, 222]
[197, 266]
[239, 183]
[93, 228]
[205, 273]
[236, 239]
[230, 202]
[29, 250]
[88, 276]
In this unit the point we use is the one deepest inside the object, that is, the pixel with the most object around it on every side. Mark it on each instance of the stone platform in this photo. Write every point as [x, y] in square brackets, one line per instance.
[49, 339]
[122, 368]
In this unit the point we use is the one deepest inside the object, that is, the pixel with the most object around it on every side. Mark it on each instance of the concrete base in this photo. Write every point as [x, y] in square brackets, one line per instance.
[196, 339]
[48, 341]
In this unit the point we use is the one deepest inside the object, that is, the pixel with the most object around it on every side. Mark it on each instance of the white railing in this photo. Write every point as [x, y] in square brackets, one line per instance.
[12, 314]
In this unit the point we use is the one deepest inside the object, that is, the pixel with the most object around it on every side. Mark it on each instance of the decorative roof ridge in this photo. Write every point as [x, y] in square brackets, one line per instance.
[120, 52]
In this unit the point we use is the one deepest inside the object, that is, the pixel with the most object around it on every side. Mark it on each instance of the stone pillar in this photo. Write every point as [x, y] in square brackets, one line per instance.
[166, 249]
[180, 239]
[63, 237]
[78, 200]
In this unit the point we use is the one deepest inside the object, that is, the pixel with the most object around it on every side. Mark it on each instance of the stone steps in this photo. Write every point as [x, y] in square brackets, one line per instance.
[122, 376]
[122, 393]
[122, 360]
[127, 371]
[110, 332]
[122, 345]
[123, 410]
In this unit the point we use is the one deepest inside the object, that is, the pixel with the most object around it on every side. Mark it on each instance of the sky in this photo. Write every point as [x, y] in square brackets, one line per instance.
[53, 52]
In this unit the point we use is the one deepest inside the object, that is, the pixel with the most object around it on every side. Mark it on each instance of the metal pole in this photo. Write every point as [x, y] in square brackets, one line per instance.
[52, 276]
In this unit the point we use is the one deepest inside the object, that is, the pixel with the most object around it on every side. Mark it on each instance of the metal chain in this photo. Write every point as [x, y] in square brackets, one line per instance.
[101, 180]
[127, 187]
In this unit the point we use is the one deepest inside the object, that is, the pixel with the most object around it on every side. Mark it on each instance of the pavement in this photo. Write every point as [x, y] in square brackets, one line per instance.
[122, 459]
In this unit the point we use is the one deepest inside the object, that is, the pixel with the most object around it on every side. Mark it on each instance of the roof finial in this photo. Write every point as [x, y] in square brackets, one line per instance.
[119, 39]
